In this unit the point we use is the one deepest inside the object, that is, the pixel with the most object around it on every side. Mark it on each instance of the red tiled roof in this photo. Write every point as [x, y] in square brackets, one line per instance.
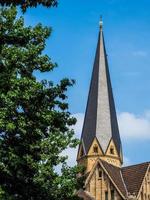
[127, 179]
[116, 176]
[133, 176]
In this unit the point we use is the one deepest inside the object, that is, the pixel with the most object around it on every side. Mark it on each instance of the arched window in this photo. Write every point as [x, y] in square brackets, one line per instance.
[111, 150]
[100, 174]
[95, 149]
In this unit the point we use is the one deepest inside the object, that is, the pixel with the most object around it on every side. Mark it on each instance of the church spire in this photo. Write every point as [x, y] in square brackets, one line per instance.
[100, 121]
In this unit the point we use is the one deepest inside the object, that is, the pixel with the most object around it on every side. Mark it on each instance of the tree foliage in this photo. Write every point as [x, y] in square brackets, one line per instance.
[29, 3]
[34, 117]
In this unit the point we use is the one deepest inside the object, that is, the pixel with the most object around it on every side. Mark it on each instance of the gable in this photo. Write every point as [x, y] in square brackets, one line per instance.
[133, 177]
[95, 145]
[115, 174]
[144, 191]
[112, 173]
[111, 149]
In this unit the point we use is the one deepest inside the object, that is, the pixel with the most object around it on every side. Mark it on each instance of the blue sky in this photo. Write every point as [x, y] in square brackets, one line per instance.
[127, 37]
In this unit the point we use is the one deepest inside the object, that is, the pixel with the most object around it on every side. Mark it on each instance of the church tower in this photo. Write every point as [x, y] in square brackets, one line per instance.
[100, 150]
[100, 135]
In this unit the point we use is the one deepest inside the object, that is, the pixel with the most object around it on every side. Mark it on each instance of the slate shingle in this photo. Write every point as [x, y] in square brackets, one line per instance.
[100, 118]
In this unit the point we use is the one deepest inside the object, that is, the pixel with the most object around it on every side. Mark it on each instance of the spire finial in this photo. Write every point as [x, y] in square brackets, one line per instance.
[101, 22]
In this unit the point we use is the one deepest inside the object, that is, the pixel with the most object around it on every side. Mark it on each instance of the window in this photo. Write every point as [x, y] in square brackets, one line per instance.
[81, 152]
[112, 195]
[95, 149]
[111, 150]
[106, 195]
[142, 196]
[100, 173]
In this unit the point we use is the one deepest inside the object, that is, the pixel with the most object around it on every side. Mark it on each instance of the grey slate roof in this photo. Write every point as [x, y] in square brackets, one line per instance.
[100, 117]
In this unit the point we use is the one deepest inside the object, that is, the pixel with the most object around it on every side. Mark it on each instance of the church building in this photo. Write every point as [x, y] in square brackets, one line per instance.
[100, 150]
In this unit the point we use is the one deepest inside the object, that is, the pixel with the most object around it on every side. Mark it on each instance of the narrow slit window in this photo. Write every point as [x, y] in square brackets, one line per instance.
[100, 174]
[95, 149]
[106, 195]
[112, 195]
[111, 150]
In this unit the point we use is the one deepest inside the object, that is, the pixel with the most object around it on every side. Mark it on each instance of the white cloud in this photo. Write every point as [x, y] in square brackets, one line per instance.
[133, 126]
[140, 53]
[130, 125]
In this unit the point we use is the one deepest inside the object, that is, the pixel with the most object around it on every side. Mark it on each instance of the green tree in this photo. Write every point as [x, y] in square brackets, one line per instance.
[29, 3]
[34, 117]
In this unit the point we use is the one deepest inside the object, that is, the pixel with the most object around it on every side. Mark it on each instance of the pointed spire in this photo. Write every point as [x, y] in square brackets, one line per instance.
[100, 119]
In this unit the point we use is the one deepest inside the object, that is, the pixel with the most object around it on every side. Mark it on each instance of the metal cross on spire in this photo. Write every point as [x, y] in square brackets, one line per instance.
[101, 22]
